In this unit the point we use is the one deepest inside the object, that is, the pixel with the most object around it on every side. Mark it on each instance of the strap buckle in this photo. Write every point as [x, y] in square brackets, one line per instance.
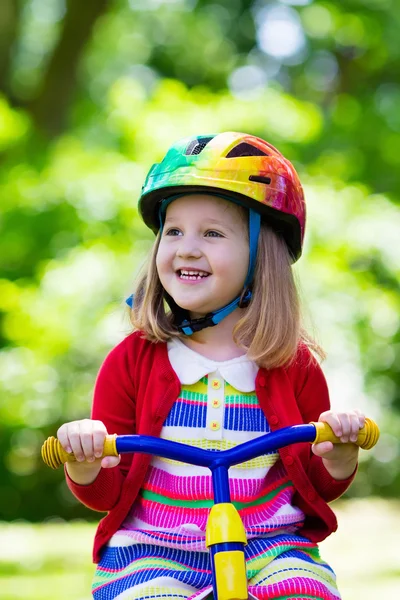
[194, 325]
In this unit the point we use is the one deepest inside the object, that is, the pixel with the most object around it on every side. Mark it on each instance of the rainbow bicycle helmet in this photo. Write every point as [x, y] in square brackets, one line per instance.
[244, 167]
[240, 168]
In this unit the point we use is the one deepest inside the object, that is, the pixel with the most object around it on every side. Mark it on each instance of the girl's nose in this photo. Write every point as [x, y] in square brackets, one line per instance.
[188, 247]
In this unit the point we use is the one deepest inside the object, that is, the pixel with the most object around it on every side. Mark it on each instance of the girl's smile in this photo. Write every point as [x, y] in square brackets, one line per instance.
[203, 255]
[187, 275]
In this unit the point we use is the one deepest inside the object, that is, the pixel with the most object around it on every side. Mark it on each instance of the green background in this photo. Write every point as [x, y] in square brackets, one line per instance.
[91, 94]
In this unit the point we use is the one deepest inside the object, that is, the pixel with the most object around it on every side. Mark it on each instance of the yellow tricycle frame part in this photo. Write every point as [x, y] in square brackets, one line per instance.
[230, 575]
[224, 525]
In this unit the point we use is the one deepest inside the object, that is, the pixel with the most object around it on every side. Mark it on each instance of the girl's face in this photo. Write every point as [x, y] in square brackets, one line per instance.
[203, 255]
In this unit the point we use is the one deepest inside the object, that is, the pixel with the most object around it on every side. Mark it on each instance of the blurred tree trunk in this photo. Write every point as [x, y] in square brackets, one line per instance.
[9, 20]
[50, 107]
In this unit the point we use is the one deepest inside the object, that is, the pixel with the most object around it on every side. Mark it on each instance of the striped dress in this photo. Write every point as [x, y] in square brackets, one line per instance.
[160, 551]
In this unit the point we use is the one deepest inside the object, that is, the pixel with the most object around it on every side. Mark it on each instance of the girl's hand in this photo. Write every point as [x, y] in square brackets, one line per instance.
[340, 460]
[85, 438]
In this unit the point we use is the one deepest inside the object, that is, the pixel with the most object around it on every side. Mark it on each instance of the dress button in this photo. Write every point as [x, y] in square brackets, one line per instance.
[288, 460]
[214, 425]
[311, 496]
[215, 384]
[262, 381]
[215, 403]
[273, 420]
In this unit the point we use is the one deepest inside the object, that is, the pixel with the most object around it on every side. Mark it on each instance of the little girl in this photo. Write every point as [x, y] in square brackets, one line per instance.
[217, 357]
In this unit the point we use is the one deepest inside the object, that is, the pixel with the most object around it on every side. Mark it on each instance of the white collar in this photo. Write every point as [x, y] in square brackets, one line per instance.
[190, 366]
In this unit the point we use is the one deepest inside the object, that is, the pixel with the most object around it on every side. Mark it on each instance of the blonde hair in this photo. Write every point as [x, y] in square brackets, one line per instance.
[270, 329]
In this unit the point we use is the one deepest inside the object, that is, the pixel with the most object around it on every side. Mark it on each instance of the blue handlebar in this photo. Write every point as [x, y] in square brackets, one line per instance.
[210, 458]
[217, 461]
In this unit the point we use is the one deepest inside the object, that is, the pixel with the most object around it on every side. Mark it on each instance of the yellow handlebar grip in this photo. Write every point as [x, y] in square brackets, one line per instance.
[367, 436]
[54, 455]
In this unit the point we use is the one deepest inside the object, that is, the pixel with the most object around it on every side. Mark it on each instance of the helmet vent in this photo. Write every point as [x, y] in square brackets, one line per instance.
[260, 179]
[197, 145]
[245, 149]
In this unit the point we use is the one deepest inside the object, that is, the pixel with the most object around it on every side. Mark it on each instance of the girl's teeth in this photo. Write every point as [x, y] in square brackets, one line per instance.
[193, 275]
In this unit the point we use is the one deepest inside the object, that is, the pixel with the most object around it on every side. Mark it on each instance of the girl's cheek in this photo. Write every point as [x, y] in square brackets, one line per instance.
[159, 263]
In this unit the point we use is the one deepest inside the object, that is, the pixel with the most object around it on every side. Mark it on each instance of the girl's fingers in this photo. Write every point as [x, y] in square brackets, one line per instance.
[361, 418]
[354, 427]
[84, 438]
[98, 441]
[62, 436]
[74, 439]
[345, 426]
[333, 421]
[86, 430]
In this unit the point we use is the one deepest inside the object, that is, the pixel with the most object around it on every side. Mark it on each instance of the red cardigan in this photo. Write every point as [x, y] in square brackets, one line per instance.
[137, 387]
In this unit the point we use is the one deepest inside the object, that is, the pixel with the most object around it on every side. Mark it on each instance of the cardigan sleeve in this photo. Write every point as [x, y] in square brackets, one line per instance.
[114, 405]
[312, 396]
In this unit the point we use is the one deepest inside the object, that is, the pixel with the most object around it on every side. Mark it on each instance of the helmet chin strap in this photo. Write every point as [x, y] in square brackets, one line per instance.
[182, 320]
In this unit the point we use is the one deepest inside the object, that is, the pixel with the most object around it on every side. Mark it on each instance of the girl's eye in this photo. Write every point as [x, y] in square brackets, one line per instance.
[172, 231]
[213, 234]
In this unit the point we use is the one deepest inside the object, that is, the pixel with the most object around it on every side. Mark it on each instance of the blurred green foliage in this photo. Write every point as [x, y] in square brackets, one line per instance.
[91, 94]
